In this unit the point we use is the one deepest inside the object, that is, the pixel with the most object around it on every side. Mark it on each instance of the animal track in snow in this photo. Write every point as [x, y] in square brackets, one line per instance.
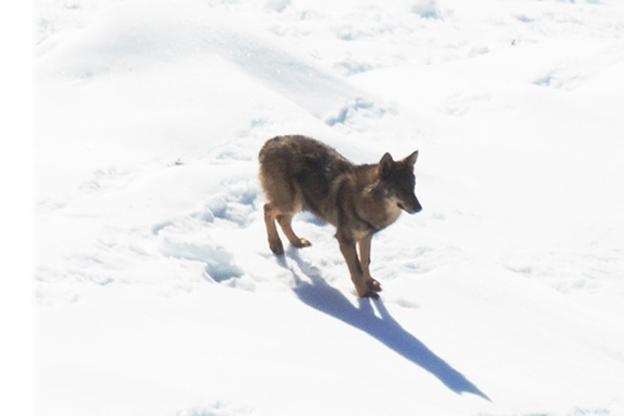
[568, 271]
[356, 115]
[190, 242]
[218, 408]
[560, 79]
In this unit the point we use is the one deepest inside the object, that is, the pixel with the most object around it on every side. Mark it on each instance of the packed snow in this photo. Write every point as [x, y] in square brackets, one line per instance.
[157, 293]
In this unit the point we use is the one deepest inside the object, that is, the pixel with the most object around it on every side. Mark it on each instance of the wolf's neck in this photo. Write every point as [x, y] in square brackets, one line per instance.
[367, 175]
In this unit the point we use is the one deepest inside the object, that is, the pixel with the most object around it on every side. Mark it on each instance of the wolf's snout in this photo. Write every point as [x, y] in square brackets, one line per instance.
[413, 207]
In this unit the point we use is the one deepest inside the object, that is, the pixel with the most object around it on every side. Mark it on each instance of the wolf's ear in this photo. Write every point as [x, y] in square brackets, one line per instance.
[386, 163]
[411, 159]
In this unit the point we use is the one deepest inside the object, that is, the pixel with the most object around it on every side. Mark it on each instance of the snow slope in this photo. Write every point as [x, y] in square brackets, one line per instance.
[157, 293]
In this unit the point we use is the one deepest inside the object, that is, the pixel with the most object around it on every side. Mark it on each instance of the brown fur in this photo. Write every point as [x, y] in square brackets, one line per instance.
[298, 172]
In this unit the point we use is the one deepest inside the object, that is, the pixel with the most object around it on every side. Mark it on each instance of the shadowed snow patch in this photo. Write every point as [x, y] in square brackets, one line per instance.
[427, 9]
[105, 179]
[237, 205]
[524, 18]
[560, 79]
[277, 5]
[406, 303]
[219, 262]
[350, 66]
[217, 409]
[357, 114]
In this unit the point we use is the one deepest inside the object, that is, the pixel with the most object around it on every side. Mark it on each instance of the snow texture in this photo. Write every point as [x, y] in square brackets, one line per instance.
[157, 293]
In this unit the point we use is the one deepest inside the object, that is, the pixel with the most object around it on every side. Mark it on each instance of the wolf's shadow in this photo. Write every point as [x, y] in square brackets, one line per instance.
[319, 295]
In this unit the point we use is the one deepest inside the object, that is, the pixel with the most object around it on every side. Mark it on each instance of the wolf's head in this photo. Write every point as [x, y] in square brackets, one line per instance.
[398, 180]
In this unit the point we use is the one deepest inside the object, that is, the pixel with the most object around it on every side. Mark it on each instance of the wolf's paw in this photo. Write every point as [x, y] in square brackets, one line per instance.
[301, 243]
[276, 246]
[371, 294]
[366, 292]
[373, 285]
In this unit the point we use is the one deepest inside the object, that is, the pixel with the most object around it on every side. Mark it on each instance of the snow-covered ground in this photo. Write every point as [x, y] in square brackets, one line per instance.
[157, 293]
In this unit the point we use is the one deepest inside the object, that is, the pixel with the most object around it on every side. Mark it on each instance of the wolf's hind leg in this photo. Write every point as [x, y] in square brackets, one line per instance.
[275, 243]
[285, 221]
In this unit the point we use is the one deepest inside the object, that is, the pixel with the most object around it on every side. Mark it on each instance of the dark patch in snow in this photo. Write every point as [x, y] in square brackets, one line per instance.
[520, 269]
[524, 18]
[350, 67]
[105, 179]
[277, 5]
[219, 262]
[359, 106]
[238, 206]
[177, 162]
[156, 229]
[50, 204]
[218, 408]
[545, 80]
[406, 303]
[579, 411]
[560, 79]
[478, 50]
[427, 9]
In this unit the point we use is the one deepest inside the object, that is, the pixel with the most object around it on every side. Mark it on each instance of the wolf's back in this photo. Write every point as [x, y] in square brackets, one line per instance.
[307, 163]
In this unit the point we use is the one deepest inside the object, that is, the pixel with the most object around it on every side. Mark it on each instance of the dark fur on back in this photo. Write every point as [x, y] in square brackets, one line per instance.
[310, 164]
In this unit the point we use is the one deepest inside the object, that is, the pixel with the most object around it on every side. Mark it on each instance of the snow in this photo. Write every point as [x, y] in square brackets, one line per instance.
[157, 293]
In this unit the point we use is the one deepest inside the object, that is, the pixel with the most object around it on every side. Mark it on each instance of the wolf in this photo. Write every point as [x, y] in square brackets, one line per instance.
[301, 173]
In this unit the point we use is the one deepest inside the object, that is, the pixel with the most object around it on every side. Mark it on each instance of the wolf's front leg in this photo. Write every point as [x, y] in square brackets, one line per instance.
[365, 249]
[347, 248]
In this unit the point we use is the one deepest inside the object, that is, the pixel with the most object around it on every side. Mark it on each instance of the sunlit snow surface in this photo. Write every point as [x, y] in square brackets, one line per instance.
[158, 295]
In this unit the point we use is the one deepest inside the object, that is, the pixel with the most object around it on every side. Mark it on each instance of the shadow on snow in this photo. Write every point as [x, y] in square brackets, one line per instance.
[319, 295]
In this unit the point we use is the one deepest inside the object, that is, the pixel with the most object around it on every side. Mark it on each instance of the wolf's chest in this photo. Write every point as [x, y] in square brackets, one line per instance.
[382, 216]
[392, 212]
